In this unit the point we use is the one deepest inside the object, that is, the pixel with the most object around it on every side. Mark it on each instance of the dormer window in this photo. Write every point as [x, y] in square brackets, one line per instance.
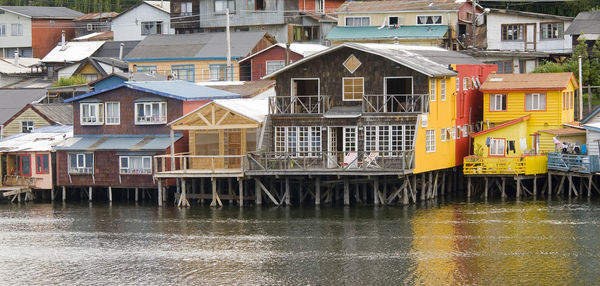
[154, 112]
[91, 113]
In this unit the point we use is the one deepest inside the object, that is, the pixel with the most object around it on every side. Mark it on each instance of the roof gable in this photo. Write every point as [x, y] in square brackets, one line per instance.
[503, 125]
[40, 12]
[585, 22]
[229, 111]
[529, 81]
[72, 51]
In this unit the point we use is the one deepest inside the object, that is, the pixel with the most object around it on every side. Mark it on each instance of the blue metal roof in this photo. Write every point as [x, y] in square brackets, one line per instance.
[181, 90]
[401, 32]
[118, 143]
[591, 115]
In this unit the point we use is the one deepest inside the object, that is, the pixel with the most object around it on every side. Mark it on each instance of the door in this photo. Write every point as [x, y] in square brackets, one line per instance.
[350, 147]
[332, 161]
[398, 94]
[25, 165]
[530, 36]
[305, 95]
[233, 146]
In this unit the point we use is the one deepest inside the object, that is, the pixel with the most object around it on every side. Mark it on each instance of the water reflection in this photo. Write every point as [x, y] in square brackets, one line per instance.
[452, 244]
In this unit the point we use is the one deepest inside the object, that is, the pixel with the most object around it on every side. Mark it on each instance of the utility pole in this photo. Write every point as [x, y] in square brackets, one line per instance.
[229, 70]
[473, 22]
[580, 91]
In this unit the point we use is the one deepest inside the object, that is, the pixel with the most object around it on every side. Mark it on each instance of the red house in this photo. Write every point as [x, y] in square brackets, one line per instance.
[274, 57]
[116, 132]
[317, 5]
[469, 103]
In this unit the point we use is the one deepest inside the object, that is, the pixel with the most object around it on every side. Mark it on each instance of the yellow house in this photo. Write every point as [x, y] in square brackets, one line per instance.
[37, 115]
[516, 108]
[197, 57]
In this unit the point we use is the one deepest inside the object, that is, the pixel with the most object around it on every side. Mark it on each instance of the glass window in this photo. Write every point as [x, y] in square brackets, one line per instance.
[89, 77]
[135, 165]
[512, 32]
[151, 28]
[535, 101]
[42, 164]
[147, 69]
[353, 88]
[274, 65]
[505, 67]
[551, 31]
[150, 112]
[2, 30]
[457, 83]
[429, 20]
[432, 91]
[218, 72]
[24, 165]
[222, 5]
[443, 89]
[358, 21]
[16, 30]
[497, 146]
[186, 9]
[183, 72]
[81, 163]
[430, 140]
[91, 113]
[26, 126]
[280, 144]
[113, 113]
[497, 102]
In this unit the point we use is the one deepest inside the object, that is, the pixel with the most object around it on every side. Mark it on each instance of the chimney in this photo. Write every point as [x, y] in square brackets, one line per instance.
[16, 58]
[63, 41]
[121, 51]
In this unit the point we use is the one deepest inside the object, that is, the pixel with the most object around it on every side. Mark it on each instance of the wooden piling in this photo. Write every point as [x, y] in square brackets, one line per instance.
[469, 187]
[287, 191]
[485, 191]
[317, 191]
[549, 185]
[90, 193]
[109, 193]
[137, 192]
[64, 193]
[216, 201]
[518, 187]
[52, 194]
[346, 191]
[376, 191]
[257, 192]
[159, 192]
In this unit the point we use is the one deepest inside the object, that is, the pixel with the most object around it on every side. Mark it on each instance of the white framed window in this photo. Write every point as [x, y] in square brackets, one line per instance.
[432, 91]
[150, 112]
[135, 165]
[429, 20]
[350, 139]
[274, 65]
[186, 9]
[465, 83]
[443, 135]
[27, 126]
[551, 31]
[443, 89]
[151, 28]
[81, 163]
[315, 141]
[457, 84]
[353, 88]
[2, 30]
[465, 130]
[535, 101]
[388, 140]
[497, 102]
[93, 27]
[453, 132]
[222, 5]
[91, 113]
[358, 21]
[89, 77]
[113, 113]
[497, 146]
[280, 143]
[16, 30]
[430, 140]
[303, 141]
[423, 120]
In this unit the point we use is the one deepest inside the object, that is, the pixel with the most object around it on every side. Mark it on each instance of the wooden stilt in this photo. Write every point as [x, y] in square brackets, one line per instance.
[570, 184]
[216, 201]
[376, 191]
[137, 193]
[287, 191]
[560, 185]
[405, 191]
[90, 193]
[346, 191]
[159, 192]
[317, 191]
[52, 194]
[485, 191]
[423, 187]
[413, 190]
[64, 193]
[300, 192]
[183, 201]
[257, 192]
[202, 183]
[109, 193]
[518, 187]
[534, 187]
[357, 193]
[443, 190]
[230, 188]
[241, 191]
[469, 187]
[549, 185]
[589, 186]
[503, 187]
[435, 185]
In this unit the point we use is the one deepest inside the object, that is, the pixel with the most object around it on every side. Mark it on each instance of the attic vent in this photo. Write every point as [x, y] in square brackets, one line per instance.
[352, 63]
[496, 79]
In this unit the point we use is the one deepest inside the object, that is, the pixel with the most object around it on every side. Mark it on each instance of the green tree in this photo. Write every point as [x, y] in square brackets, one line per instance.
[595, 64]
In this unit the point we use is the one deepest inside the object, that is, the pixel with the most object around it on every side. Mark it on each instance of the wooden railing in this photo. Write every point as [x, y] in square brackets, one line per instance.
[573, 163]
[525, 165]
[395, 103]
[307, 104]
[344, 161]
[186, 163]
[15, 180]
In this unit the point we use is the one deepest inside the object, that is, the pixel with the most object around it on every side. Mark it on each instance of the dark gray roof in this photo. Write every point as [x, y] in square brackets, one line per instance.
[13, 100]
[586, 22]
[60, 113]
[199, 45]
[446, 57]
[533, 14]
[112, 61]
[44, 12]
[111, 49]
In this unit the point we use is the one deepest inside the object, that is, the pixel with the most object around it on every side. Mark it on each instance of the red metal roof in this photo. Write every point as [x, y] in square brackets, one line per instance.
[505, 124]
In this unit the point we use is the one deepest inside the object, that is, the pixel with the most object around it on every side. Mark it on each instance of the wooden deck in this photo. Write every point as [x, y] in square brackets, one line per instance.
[15, 192]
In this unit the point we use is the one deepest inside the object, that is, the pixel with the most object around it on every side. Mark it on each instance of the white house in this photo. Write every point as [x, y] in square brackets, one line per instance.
[145, 18]
[516, 41]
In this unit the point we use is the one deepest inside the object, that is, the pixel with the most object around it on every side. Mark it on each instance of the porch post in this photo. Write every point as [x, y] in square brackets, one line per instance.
[172, 134]
[160, 194]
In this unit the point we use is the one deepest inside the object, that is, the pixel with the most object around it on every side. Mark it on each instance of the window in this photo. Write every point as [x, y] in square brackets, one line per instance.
[432, 86]
[443, 134]
[24, 164]
[465, 130]
[429, 20]
[572, 99]
[222, 5]
[147, 69]
[51, 23]
[304, 141]
[186, 9]
[353, 89]
[512, 32]
[26, 126]
[280, 143]
[394, 138]
[358, 21]
[315, 141]
[393, 21]
[16, 30]
[306, 33]
[443, 89]
[497, 147]
[535, 101]
[93, 27]
[218, 72]
[457, 84]
[90, 77]
[150, 112]
[564, 98]
[81, 163]
[551, 31]
[505, 67]
[183, 72]
[2, 30]
[135, 165]
[497, 102]
[113, 113]
[42, 164]
[92, 113]
[151, 28]
[274, 65]
[465, 83]
[430, 140]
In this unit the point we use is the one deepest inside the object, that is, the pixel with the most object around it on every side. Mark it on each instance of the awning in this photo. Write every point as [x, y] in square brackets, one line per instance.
[118, 143]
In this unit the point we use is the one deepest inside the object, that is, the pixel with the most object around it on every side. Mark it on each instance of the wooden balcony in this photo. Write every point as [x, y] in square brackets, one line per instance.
[399, 162]
[304, 104]
[525, 165]
[15, 180]
[586, 164]
[395, 103]
[186, 165]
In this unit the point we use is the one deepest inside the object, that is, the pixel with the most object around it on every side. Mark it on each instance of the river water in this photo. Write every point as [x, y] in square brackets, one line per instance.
[527, 243]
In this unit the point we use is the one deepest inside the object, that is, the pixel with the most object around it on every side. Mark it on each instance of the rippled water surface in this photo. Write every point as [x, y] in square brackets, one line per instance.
[531, 243]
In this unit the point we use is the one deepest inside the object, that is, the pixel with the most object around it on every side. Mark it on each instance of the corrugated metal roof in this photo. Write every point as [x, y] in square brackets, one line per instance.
[7, 66]
[13, 100]
[97, 36]
[413, 57]
[585, 22]
[43, 139]
[532, 14]
[394, 6]
[61, 113]
[181, 90]
[72, 52]
[565, 131]
[198, 45]
[44, 12]
[245, 88]
[374, 33]
[303, 49]
[529, 81]
[111, 49]
[97, 16]
[118, 143]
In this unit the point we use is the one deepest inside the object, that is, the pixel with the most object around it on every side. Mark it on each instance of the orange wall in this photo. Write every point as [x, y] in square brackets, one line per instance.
[44, 37]
[189, 106]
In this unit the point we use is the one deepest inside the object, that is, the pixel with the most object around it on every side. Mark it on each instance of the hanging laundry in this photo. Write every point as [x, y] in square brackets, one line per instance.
[511, 146]
[556, 141]
[523, 143]
[488, 141]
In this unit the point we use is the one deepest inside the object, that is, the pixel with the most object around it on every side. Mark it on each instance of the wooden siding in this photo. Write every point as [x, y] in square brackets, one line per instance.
[201, 67]
[547, 143]
[593, 142]
[514, 132]
[46, 36]
[14, 127]
[416, 42]
[127, 98]
[406, 18]
[259, 62]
